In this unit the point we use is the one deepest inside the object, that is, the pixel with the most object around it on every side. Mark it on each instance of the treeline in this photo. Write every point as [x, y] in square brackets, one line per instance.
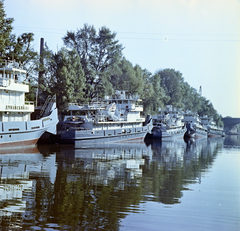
[91, 65]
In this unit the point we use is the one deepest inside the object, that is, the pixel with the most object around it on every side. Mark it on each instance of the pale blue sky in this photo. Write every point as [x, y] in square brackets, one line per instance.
[199, 38]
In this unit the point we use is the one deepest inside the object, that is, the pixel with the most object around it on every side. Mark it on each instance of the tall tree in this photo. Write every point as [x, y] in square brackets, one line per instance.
[172, 83]
[22, 50]
[159, 96]
[128, 78]
[12, 47]
[18, 48]
[64, 78]
[100, 53]
[5, 32]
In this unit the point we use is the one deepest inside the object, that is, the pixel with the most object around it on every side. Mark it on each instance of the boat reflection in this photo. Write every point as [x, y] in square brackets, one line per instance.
[68, 188]
[20, 173]
[116, 162]
[19, 149]
[175, 165]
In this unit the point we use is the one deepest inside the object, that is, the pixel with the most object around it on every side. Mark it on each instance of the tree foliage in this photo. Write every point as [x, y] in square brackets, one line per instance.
[172, 83]
[99, 53]
[18, 48]
[127, 77]
[12, 47]
[5, 32]
[181, 95]
[64, 78]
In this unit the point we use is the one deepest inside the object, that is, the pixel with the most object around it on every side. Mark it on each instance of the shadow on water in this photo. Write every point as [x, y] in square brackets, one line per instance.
[61, 187]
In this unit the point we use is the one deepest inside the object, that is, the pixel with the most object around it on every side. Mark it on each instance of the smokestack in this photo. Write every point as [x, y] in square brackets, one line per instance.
[41, 73]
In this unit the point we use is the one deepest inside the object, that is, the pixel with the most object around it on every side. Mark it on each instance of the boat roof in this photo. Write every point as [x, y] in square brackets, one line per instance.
[12, 66]
[121, 99]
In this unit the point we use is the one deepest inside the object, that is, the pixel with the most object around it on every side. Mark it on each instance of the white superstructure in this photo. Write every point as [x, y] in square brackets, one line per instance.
[16, 127]
[13, 87]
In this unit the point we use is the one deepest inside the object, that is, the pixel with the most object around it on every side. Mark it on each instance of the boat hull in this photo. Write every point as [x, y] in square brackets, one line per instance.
[25, 133]
[195, 132]
[82, 137]
[211, 135]
[200, 133]
[170, 134]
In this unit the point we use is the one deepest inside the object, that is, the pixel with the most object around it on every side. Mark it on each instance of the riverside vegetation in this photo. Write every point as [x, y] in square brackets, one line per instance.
[90, 66]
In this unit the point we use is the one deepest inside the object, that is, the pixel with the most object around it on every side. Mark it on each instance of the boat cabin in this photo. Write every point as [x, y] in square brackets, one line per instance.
[13, 87]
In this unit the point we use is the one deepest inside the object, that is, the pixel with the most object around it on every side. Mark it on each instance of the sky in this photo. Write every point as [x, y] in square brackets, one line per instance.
[199, 38]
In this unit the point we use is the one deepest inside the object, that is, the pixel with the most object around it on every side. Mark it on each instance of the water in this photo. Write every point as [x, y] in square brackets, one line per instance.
[131, 186]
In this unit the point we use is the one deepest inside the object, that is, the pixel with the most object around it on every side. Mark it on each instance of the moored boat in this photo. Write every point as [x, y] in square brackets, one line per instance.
[213, 129]
[194, 127]
[114, 119]
[168, 124]
[16, 126]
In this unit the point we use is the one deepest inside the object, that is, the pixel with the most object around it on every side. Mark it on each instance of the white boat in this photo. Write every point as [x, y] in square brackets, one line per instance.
[16, 127]
[194, 127]
[213, 129]
[168, 124]
[114, 119]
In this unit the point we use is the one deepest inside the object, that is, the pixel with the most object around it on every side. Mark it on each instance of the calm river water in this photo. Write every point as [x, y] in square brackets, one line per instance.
[128, 186]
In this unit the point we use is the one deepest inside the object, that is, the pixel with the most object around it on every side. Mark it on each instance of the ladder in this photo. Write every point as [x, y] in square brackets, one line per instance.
[47, 107]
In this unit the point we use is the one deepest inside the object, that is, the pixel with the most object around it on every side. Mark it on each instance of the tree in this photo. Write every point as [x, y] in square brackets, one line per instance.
[12, 47]
[99, 53]
[172, 83]
[22, 51]
[5, 32]
[159, 96]
[18, 49]
[64, 78]
[128, 78]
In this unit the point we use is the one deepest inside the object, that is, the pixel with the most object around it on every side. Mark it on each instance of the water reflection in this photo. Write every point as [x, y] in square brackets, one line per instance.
[20, 173]
[175, 165]
[63, 187]
[232, 141]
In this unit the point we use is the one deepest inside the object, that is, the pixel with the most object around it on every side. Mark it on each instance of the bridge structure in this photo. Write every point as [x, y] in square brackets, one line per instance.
[231, 125]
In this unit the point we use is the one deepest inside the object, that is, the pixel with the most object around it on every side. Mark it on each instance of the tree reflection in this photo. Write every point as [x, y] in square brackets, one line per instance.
[175, 165]
[85, 189]
[91, 192]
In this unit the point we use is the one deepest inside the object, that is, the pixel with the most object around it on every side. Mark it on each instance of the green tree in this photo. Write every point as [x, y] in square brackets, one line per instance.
[5, 33]
[22, 50]
[158, 97]
[100, 53]
[172, 83]
[64, 78]
[128, 78]
[18, 48]
[12, 47]
[148, 91]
